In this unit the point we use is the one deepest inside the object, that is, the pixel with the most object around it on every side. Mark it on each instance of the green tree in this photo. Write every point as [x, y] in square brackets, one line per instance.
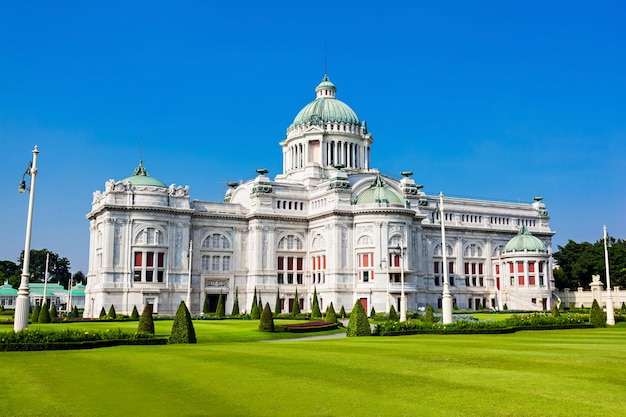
[135, 314]
[254, 301]
[255, 314]
[221, 310]
[74, 312]
[266, 324]
[429, 316]
[372, 312]
[295, 309]
[182, 328]
[44, 314]
[34, 317]
[79, 278]
[205, 306]
[555, 310]
[359, 325]
[277, 309]
[112, 314]
[330, 315]
[260, 304]
[596, 316]
[103, 313]
[393, 315]
[53, 312]
[10, 272]
[58, 267]
[315, 312]
[342, 313]
[146, 322]
[235, 311]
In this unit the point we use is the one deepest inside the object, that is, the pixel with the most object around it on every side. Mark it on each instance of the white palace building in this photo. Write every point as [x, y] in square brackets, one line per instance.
[329, 222]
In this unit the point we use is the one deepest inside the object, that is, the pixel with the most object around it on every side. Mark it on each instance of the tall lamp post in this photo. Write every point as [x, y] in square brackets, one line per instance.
[446, 302]
[610, 314]
[383, 266]
[400, 251]
[188, 300]
[22, 304]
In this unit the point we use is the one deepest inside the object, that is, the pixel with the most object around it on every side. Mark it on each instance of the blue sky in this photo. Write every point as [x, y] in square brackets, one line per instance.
[496, 100]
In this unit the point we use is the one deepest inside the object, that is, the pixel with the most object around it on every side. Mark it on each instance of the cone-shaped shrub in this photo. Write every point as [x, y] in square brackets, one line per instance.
[597, 316]
[331, 316]
[358, 325]
[35, 316]
[255, 314]
[260, 304]
[146, 323]
[372, 312]
[295, 309]
[235, 311]
[254, 301]
[205, 306]
[393, 315]
[103, 313]
[44, 314]
[221, 310]
[182, 328]
[623, 306]
[555, 311]
[505, 307]
[479, 306]
[266, 324]
[112, 314]
[315, 311]
[135, 314]
[53, 312]
[342, 312]
[429, 316]
[277, 309]
[74, 312]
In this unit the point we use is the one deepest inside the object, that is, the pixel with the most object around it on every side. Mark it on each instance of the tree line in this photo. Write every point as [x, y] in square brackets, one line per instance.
[58, 269]
[577, 262]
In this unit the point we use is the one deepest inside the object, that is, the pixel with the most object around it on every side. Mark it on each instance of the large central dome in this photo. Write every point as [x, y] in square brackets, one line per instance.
[326, 108]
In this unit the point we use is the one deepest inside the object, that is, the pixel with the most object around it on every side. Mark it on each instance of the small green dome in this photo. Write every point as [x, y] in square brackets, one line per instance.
[326, 108]
[525, 241]
[140, 177]
[379, 192]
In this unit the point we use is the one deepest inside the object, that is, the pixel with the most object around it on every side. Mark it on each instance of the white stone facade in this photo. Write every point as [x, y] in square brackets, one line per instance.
[328, 222]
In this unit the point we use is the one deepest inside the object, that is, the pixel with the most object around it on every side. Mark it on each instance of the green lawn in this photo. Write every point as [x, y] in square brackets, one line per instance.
[229, 373]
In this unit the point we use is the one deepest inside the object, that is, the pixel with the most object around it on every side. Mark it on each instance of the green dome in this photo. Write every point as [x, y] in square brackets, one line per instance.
[141, 177]
[525, 241]
[379, 192]
[326, 108]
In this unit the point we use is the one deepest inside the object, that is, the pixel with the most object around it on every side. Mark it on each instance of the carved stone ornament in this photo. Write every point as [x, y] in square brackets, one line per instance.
[216, 283]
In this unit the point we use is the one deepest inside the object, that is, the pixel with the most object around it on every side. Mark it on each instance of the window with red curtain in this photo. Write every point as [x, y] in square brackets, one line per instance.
[161, 260]
[436, 267]
[520, 280]
[531, 267]
[138, 259]
[150, 259]
[520, 267]
[511, 268]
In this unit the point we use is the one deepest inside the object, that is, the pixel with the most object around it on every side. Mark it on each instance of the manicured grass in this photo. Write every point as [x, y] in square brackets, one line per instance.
[556, 373]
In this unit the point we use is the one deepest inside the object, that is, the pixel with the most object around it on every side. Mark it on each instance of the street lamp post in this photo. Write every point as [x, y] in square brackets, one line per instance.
[188, 300]
[22, 303]
[610, 314]
[383, 265]
[446, 298]
[401, 251]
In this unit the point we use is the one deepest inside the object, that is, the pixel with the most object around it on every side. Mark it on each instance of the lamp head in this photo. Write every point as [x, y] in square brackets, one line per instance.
[22, 187]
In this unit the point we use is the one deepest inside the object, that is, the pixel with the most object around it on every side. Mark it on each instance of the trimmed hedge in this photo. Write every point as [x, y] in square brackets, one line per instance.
[182, 328]
[146, 323]
[318, 326]
[266, 324]
[359, 325]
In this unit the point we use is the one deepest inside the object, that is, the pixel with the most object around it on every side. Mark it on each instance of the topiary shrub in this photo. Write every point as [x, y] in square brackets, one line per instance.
[555, 311]
[35, 316]
[266, 324]
[393, 316]
[623, 306]
[254, 301]
[330, 315]
[221, 310]
[596, 316]
[146, 322]
[372, 312]
[505, 307]
[479, 306]
[295, 310]
[429, 316]
[103, 313]
[182, 328]
[53, 312]
[255, 314]
[359, 325]
[342, 313]
[135, 314]
[235, 311]
[205, 306]
[277, 309]
[44, 314]
[315, 311]
[260, 304]
[74, 312]
[112, 314]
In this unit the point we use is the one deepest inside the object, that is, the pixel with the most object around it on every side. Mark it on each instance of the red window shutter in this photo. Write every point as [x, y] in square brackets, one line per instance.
[161, 260]
[466, 268]
[299, 263]
[473, 268]
[150, 259]
[372, 275]
[436, 267]
[138, 261]
[497, 269]
[531, 280]
[451, 267]
[511, 268]
[324, 259]
[531, 267]
[290, 263]
[540, 266]
[366, 260]
[520, 280]
[520, 267]
[281, 263]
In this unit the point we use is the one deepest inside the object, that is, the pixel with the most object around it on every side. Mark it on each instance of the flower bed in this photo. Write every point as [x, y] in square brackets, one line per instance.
[310, 326]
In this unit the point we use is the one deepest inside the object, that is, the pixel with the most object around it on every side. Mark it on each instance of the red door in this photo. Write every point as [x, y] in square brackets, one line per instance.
[364, 304]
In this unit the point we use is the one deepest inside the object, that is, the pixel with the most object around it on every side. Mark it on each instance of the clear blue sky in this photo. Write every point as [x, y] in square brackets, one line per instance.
[501, 100]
